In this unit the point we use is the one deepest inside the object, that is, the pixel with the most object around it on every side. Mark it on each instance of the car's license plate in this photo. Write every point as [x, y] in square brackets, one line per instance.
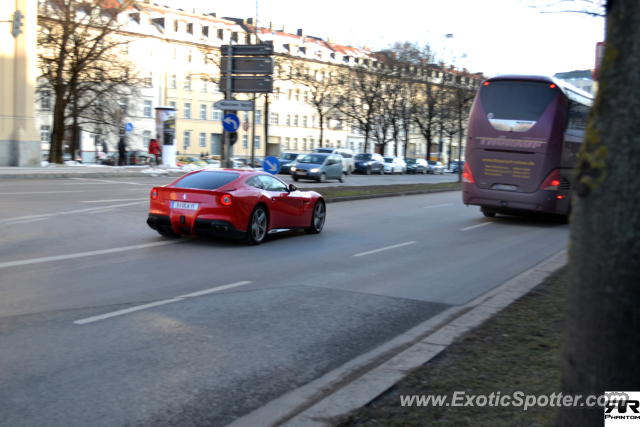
[302, 172]
[184, 205]
[505, 187]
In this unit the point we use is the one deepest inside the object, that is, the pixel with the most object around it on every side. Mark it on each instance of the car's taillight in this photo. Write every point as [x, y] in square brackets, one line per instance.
[154, 194]
[467, 176]
[226, 200]
[552, 181]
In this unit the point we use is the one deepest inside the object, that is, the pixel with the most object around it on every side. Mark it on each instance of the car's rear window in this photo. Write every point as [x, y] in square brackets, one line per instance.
[516, 100]
[207, 180]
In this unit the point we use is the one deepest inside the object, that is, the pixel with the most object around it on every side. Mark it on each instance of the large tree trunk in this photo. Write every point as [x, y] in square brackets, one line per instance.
[602, 341]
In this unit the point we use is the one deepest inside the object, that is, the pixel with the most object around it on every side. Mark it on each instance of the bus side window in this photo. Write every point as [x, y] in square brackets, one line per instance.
[577, 117]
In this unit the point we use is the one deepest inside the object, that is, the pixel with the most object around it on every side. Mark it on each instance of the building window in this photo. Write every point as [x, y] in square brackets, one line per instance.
[305, 121]
[288, 120]
[173, 81]
[146, 137]
[245, 141]
[216, 115]
[304, 144]
[220, 34]
[190, 28]
[287, 143]
[205, 86]
[245, 116]
[256, 141]
[147, 108]
[274, 119]
[187, 83]
[187, 110]
[45, 134]
[45, 100]
[174, 105]
[186, 139]
[295, 120]
[203, 139]
[203, 112]
[258, 114]
[295, 144]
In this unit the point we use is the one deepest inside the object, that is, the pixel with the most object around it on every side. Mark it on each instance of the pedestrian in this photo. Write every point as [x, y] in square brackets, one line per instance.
[154, 150]
[122, 152]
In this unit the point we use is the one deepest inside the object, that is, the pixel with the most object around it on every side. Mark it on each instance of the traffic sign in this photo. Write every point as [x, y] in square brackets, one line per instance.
[261, 84]
[248, 65]
[230, 122]
[271, 164]
[128, 127]
[234, 105]
[248, 49]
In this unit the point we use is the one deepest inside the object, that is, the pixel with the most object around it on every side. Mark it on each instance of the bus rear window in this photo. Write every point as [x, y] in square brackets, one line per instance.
[207, 180]
[516, 100]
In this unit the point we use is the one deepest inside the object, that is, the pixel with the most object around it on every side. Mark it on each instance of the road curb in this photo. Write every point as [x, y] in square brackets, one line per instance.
[366, 377]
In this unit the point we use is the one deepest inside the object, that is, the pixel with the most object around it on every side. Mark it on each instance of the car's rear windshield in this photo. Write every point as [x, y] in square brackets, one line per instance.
[516, 100]
[207, 180]
[363, 157]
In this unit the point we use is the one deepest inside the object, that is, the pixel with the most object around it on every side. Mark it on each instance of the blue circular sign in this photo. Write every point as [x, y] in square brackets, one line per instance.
[271, 164]
[230, 122]
[128, 127]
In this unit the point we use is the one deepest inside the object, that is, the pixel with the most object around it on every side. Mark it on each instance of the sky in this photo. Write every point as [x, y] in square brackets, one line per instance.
[488, 36]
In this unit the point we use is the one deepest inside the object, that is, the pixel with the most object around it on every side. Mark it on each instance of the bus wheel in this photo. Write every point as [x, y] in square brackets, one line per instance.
[488, 212]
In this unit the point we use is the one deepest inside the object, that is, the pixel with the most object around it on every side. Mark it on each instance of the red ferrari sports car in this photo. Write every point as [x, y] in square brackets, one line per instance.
[233, 203]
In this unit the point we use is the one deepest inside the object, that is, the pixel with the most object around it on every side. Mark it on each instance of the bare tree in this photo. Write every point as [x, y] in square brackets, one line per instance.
[362, 99]
[80, 59]
[602, 342]
[323, 85]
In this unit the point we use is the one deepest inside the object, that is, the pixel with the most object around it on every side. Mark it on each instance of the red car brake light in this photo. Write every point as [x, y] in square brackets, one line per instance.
[154, 194]
[467, 175]
[226, 200]
[552, 181]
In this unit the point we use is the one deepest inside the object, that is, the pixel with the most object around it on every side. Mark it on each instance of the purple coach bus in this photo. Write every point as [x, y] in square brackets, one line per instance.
[522, 144]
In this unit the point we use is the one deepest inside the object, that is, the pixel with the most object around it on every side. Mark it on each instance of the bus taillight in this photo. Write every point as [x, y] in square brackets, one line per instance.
[552, 181]
[467, 176]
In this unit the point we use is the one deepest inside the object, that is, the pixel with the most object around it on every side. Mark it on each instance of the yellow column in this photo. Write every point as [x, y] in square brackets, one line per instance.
[19, 138]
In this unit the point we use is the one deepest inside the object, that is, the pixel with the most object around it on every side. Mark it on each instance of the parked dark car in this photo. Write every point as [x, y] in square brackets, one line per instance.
[456, 165]
[369, 163]
[416, 165]
[286, 161]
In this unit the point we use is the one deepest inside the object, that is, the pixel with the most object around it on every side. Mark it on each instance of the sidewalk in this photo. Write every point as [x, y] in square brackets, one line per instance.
[86, 171]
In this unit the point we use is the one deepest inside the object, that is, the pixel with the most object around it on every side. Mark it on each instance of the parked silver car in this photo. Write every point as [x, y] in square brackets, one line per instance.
[318, 167]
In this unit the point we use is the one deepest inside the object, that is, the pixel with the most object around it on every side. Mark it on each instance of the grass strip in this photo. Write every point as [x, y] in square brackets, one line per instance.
[516, 350]
[335, 193]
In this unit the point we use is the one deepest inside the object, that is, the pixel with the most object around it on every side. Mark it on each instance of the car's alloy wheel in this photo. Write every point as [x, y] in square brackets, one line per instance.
[323, 177]
[317, 218]
[258, 226]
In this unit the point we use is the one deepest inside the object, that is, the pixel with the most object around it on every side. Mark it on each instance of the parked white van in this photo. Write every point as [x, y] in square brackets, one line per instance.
[348, 164]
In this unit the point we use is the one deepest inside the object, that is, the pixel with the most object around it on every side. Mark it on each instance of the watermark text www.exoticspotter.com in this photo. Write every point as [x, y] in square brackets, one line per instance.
[515, 399]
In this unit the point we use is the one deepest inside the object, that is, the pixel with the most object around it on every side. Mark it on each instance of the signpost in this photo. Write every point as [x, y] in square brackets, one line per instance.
[243, 69]
[234, 105]
[271, 164]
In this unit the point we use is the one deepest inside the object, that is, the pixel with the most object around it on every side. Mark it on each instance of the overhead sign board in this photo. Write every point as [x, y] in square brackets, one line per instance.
[234, 105]
[248, 49]
[248, 65]
[251, 84]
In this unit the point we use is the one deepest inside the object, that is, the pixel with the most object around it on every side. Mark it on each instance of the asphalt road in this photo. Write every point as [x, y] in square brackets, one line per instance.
[105, 323]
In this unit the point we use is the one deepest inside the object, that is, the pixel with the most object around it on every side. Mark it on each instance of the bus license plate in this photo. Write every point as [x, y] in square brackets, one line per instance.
[505, 187]
[184, 205]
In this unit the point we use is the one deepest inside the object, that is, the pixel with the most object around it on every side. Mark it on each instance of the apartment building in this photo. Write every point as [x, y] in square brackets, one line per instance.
[177, 54]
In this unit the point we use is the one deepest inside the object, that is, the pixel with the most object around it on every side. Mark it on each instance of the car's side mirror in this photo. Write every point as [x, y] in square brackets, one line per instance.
[292, 188]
